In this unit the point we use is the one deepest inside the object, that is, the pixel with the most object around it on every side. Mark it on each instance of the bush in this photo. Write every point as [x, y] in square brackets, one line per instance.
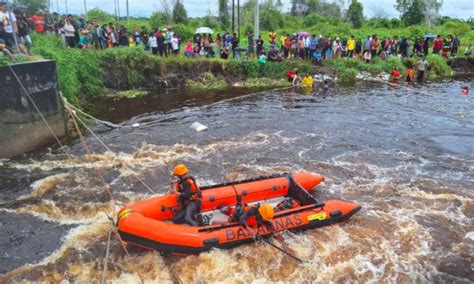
[456, 28]
[438, 67]
[347, 76]
[185, 32]
[79, 71]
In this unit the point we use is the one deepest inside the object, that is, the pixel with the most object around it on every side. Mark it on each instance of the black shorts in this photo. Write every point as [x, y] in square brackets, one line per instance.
[71, 41]
[8, 38]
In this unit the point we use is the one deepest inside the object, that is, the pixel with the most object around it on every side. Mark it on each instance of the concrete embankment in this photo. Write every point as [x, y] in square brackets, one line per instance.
[22, 128]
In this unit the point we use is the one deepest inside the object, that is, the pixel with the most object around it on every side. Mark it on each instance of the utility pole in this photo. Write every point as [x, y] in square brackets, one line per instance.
[115, 9]
[128, 13]
[118, 9]
[256, 24]
[85, 8]
[238, 17]
[57, 6]
[67, 10]
[233, 16]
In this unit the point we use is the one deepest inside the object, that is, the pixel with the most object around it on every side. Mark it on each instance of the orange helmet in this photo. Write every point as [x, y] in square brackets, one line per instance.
[180, 170]
[266, 211]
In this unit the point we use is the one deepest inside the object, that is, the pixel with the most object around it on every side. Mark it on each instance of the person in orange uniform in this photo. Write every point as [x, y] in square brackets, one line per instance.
[189, 199]
[410, 75]
[257, 215]
[395, 74]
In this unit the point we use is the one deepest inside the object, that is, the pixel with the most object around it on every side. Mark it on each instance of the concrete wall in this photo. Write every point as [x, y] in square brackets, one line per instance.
[21, 127]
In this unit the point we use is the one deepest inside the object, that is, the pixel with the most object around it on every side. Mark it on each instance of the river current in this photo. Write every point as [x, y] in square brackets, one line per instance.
[406, 157]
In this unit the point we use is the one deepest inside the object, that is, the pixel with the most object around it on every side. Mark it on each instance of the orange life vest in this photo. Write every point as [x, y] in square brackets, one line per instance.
[252, 221]
[410, 74]
[272, 37]
[395, 74]
[195, 191]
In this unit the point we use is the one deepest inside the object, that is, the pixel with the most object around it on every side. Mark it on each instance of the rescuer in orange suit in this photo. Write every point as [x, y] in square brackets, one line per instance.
[189, 199]
[256, 215]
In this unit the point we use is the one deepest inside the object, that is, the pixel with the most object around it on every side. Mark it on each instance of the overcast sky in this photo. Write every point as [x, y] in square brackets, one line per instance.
[454, 8]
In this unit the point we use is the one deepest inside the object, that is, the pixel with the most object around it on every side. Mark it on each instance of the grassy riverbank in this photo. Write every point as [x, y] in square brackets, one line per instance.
[85, 74]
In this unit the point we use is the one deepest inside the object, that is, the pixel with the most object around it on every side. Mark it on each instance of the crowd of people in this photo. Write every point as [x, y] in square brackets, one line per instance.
[79, 33]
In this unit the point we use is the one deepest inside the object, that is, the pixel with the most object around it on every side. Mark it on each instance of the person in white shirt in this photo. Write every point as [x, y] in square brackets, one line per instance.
[307, 41]
[69, 33]
[153, 43]
[7, 25]
[175, 44]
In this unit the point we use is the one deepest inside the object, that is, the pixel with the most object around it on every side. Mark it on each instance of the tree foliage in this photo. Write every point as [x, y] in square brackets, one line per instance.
[415, 13]
[159, 19]
[270, 18]
[355, 14]
[418, 11]
[99, 15]
[224, 13]
[33, 4]
[179, 13]
[320, 7]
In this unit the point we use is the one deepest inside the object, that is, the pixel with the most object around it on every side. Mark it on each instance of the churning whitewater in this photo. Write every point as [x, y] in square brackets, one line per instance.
[407, 158]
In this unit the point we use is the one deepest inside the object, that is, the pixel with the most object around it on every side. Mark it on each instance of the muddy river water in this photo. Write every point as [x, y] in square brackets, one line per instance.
[406, 157]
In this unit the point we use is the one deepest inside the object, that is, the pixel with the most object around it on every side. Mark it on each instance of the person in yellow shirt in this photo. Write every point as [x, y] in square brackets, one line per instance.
[307, 81]
[282, 41]
[350, 47]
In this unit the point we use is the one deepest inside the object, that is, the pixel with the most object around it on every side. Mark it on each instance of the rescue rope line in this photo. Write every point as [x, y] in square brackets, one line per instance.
[108, 149]
[88, 151]
[113, 125]
[106, 187]
[106, 258]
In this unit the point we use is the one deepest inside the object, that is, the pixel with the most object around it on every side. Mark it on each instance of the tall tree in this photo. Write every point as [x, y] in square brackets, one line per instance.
[179, 13]
[432, 10]
[34, 4]
[224, 13]
[355, 14]
[417, 11]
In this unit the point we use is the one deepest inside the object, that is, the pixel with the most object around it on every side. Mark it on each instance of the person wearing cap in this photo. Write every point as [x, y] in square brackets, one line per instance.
[189, 197]
[256, 215]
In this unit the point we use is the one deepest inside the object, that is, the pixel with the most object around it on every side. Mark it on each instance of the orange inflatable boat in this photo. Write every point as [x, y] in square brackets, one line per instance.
[148, 222]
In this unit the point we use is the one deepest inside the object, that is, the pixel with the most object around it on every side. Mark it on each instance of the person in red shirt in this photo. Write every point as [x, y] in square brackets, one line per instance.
[291, 75]
[38, 21]
[437, 44]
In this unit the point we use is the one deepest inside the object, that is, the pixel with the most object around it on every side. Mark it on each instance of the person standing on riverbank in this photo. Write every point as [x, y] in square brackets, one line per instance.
[152, 43]
[455, 46]
[259, 46]
[235, 44]
[422, 65]
[6, 27]
[351, 44]
[250, 47]
[38, 22]
[160, 39]
[437, 44]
